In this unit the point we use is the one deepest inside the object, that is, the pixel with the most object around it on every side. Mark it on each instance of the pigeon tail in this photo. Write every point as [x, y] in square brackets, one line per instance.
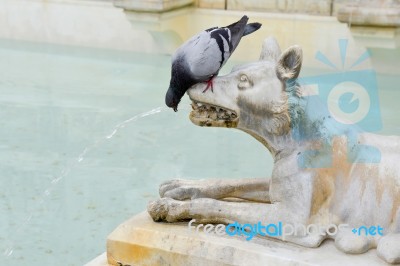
[237, 29]
[251, 27]
[242, 22]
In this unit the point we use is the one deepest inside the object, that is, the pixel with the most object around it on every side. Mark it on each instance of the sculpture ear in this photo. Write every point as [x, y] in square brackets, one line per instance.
[289, 63]
[270, 50]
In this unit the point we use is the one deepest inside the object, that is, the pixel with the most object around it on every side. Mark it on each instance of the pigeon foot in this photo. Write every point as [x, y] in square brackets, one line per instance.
[209, 85]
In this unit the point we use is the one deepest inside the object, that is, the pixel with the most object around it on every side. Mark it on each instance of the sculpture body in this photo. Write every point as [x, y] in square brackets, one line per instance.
[258, 99]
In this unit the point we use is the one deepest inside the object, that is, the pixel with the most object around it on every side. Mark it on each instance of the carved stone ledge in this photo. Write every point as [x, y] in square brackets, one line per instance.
[140, 241]
[151, 5]
[370, 16]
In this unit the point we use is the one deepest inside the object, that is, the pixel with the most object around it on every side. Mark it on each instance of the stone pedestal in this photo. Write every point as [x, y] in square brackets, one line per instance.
[140, 241]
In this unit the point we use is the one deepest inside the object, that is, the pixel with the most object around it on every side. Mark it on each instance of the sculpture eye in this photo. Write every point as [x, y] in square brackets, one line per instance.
[244, 82]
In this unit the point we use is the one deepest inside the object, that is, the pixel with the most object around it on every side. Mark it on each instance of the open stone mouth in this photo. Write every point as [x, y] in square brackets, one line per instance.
[205, 114]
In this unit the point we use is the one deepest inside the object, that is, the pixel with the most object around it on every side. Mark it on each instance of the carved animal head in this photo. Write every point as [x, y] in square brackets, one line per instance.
[254, 96]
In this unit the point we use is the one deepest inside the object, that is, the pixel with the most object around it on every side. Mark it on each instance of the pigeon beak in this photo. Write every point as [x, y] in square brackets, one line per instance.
[174, 106]
[171, 100]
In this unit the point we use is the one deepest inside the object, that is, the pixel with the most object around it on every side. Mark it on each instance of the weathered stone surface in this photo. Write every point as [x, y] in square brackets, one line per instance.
[217, 4]
[140, 241]
[379, 37]
[368, 13]
[370, 16]
[152, 5]
[315, 7]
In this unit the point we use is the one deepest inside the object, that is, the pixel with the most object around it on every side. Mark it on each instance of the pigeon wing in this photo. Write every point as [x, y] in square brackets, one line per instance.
[204, 54]
[207, 52]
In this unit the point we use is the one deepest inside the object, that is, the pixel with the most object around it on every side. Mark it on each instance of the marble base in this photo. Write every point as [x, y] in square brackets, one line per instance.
[140, 241]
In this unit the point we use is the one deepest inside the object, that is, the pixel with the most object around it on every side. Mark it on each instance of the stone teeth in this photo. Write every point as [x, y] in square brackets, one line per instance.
[213, 112]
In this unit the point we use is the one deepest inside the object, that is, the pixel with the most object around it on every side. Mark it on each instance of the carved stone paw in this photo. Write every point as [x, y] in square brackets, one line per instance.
[389, 248]
[352, 244]
[166, 210]
[180, 189]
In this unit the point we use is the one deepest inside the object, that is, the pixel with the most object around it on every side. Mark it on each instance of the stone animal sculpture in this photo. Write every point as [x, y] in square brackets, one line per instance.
[201, 57]
[256, 98]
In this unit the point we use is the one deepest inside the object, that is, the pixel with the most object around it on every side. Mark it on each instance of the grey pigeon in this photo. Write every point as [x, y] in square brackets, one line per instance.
[201, 57]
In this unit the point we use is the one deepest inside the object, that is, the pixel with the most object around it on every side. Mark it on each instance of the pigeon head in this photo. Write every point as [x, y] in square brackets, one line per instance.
[172, 99]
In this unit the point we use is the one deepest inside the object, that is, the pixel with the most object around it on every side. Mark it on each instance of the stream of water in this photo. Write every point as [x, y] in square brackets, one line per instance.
[47, 192]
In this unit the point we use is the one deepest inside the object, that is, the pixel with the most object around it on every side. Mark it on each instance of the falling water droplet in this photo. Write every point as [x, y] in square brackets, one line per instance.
[8, 252]
[112, 134]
